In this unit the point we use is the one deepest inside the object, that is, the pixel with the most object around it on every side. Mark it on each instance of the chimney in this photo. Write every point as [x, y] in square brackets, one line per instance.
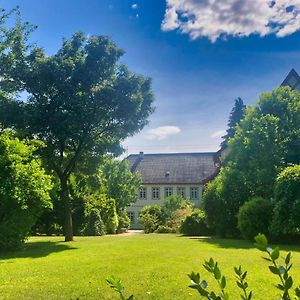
[141, 155]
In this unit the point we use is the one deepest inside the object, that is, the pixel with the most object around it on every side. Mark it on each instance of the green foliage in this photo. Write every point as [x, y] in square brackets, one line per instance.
[254, 217]
[24, 190]
[175, 210]
[124, 222]
[117, 286]
[195, 224]
[235, 117]
[242, 283]
[94, 225]
[173, 203]
[222, 199]
[280, 269]
[212, 267]
[148, 222]
[120, 182]
[165, 229]
[80, 102]
[166, 218]
[109, 214]
[107, 209]
[286, 218]
[265, 141]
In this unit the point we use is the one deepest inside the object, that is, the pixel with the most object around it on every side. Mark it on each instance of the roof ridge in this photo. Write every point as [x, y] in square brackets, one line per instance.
[176, 153]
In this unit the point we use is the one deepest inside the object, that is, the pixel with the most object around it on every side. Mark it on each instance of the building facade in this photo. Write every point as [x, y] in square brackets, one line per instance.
[164, 175]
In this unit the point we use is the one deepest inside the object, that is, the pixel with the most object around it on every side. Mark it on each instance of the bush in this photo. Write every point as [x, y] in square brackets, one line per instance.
[109, 214]
[173, 203]
[194, 224]
[124, 222]
[148, 222]
[151, 216]
[286, 219]
[94, 225]
[255, 217]
[165, 229]
[24, 190]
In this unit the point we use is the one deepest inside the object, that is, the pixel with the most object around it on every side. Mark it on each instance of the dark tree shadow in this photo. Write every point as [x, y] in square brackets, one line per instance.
[36, 250]
[241, 244]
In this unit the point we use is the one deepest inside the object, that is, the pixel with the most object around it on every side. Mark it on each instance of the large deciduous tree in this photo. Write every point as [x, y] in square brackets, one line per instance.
[80, 102]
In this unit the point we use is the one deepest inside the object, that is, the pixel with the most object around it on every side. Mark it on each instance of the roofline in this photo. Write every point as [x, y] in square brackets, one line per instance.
[175, 153]
[292, 72]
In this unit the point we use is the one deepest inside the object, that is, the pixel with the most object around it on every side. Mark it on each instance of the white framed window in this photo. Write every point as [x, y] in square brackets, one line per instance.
[155, 193]
[181, 191]
[143, 193]
[130, 215]
[168, 191]
[194, 193]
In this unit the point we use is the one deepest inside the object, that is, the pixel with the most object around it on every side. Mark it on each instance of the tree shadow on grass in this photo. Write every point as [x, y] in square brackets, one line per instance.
[241, 244]
[36, 250]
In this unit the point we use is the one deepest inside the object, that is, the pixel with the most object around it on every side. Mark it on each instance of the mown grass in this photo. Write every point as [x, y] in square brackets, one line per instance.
[150, 266]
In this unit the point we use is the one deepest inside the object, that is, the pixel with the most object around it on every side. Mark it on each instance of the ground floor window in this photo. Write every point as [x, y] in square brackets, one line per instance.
[130, 215]
[143, 194]
[168, 191]
[155, 193]
[194, 193]
[181, 191]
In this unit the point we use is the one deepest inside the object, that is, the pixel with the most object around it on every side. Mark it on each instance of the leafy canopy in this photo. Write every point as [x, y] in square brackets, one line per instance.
[24, 190]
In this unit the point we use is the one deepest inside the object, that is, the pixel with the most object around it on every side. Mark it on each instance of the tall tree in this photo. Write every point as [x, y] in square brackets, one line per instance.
[235, 117]
[266, 141]
[121, 183]
[80, 101]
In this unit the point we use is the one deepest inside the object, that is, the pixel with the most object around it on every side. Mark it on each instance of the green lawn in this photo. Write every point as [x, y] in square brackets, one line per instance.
[150, 266]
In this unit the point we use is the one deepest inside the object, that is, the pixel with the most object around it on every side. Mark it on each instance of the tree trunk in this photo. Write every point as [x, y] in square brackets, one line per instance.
[68, 210]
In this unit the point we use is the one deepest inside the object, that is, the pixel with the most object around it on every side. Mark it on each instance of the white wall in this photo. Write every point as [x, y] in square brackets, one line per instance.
[139, 204]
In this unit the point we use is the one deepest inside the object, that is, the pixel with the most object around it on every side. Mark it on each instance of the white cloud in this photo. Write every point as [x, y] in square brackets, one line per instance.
[218, 134]
[134, 6]
[239, 18]
[162, 132]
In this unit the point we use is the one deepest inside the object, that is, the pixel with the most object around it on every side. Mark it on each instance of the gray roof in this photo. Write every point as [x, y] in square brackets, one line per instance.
[292, 80]
[175, 168]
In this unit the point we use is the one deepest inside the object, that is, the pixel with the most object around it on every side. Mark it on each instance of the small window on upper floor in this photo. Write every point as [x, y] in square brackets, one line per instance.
[155, 193]
[168, 191]
[194, 193]
[143, 193]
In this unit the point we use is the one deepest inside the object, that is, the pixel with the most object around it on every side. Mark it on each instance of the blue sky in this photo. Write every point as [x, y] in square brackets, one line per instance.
[201, 55]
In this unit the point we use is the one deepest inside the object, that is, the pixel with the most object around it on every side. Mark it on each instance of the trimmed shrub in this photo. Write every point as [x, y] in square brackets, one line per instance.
[165, 229]
[151, 216]
[124, 222]
[109, 214]
[255, 217]
[148, 222]
[286, 219]
[94, 225]
[194, 224]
